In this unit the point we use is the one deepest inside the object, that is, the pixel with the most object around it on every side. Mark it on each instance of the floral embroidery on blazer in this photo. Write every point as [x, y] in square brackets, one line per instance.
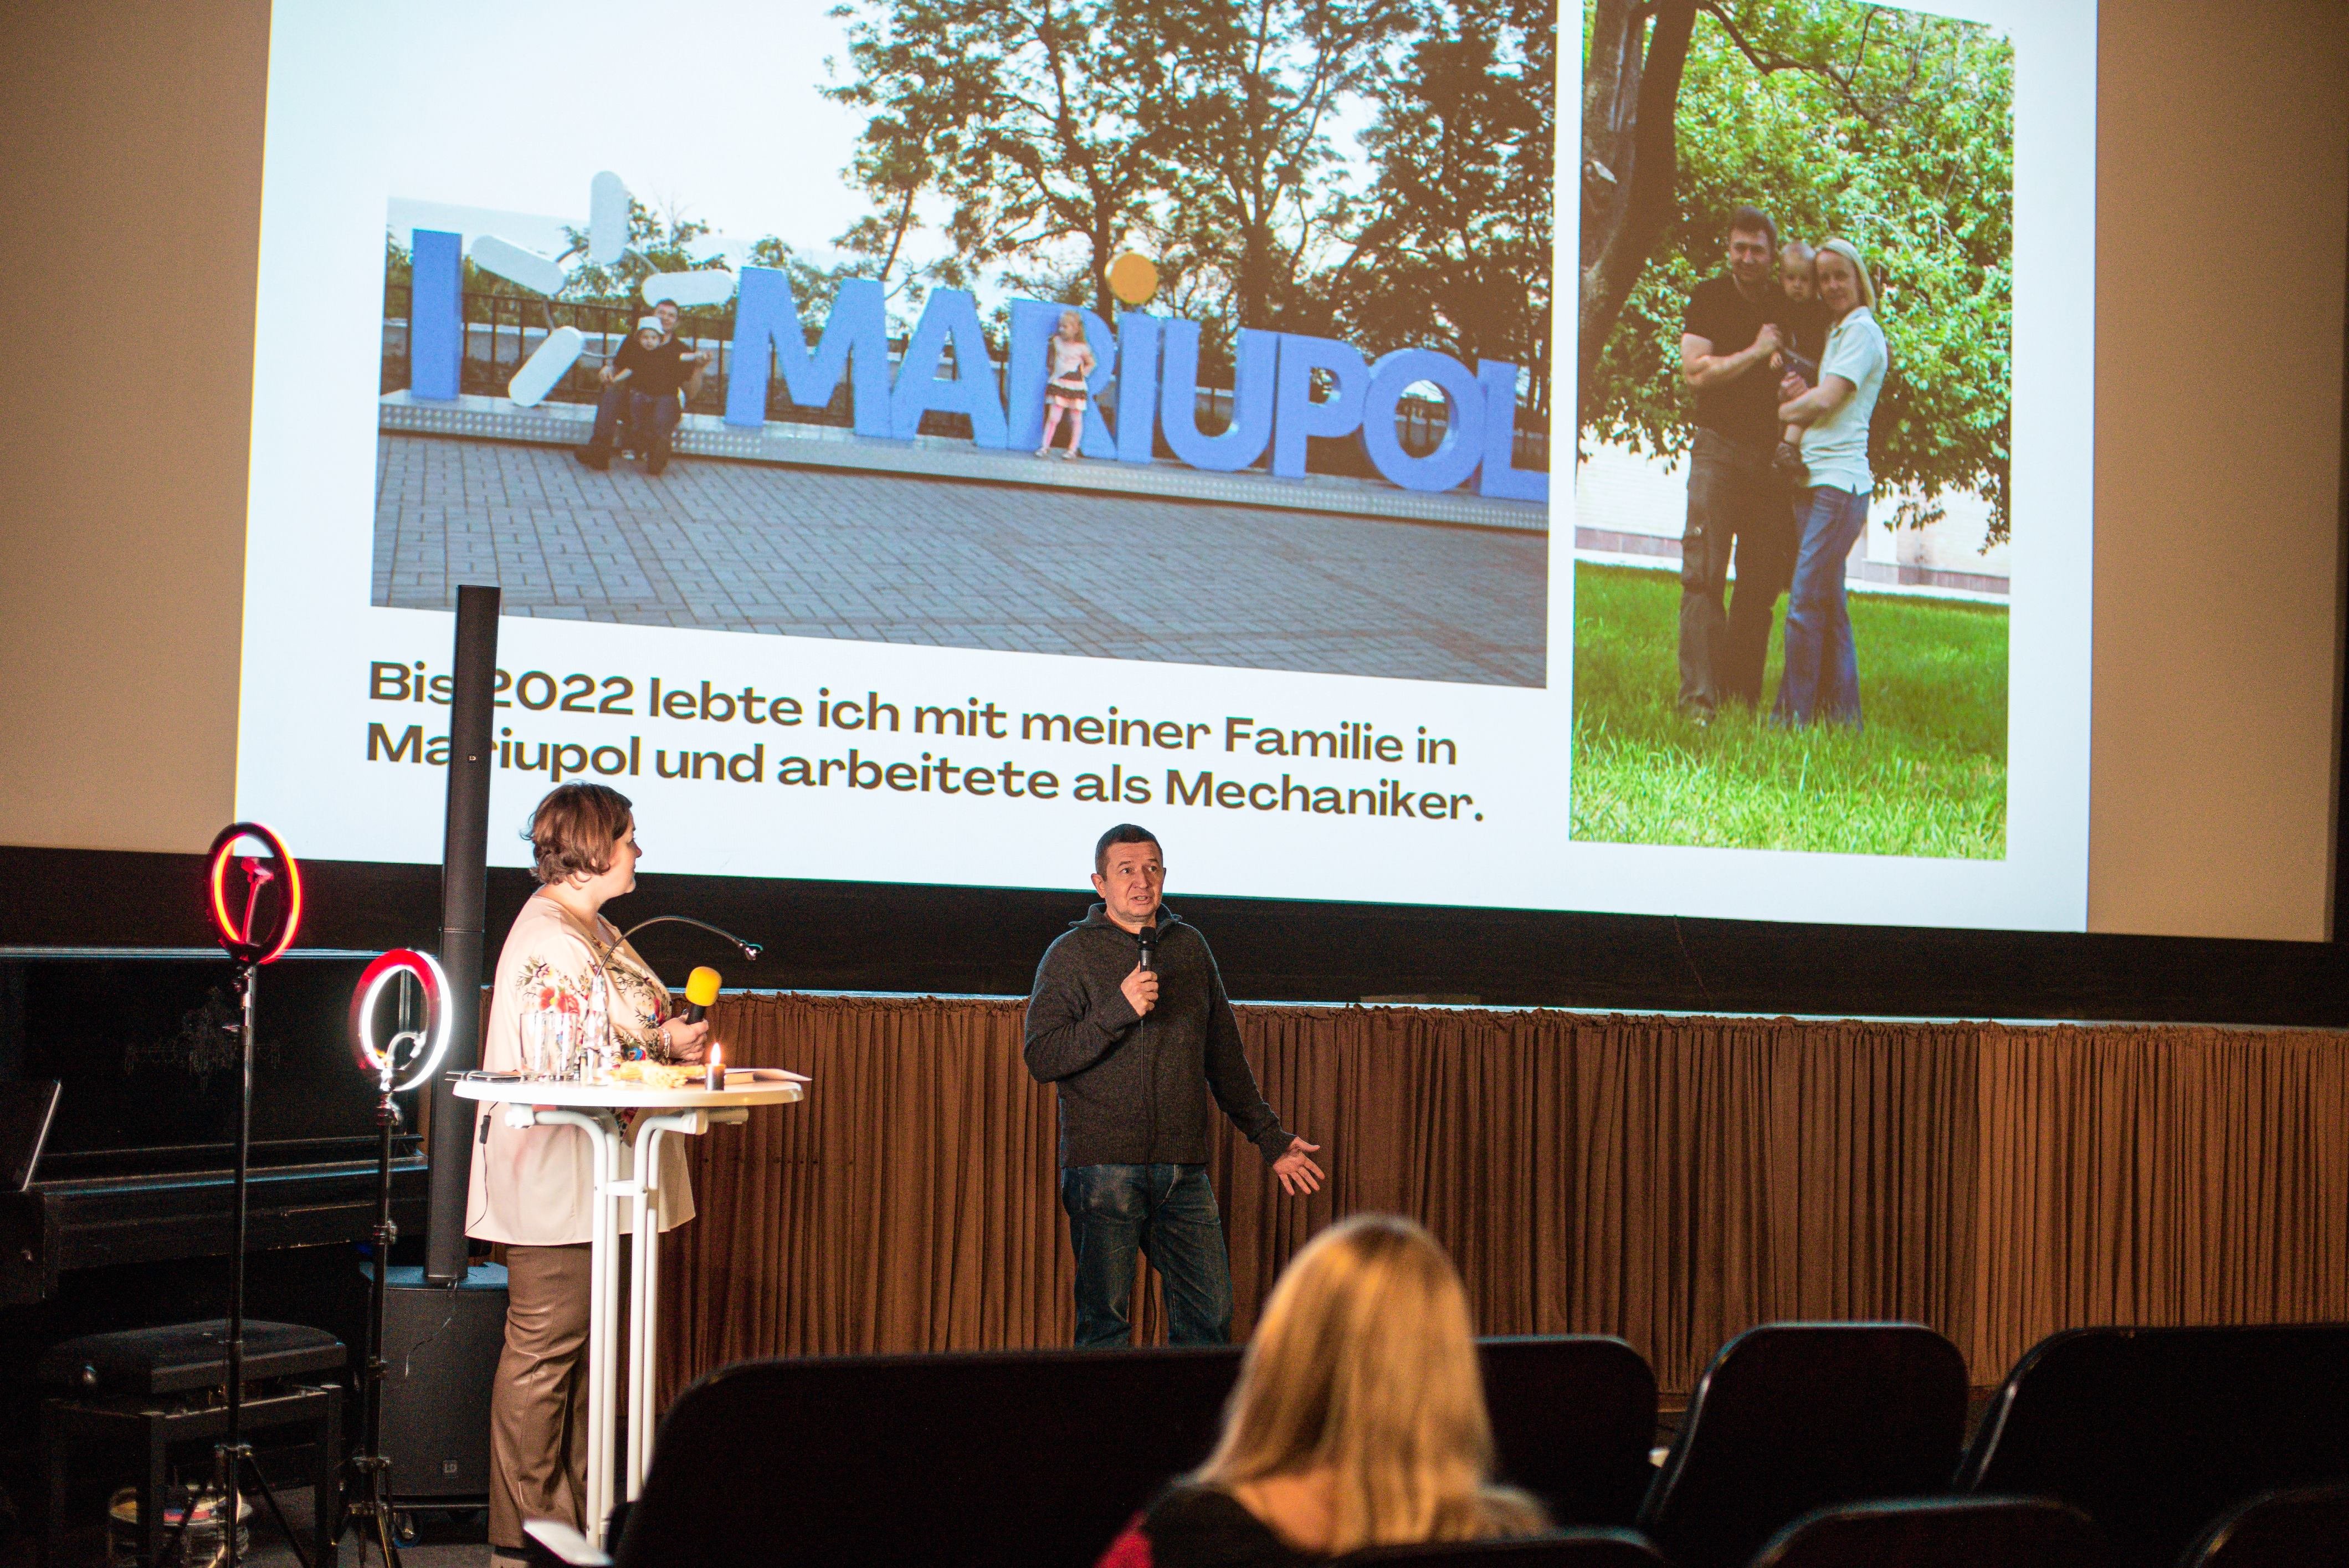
[615, 977]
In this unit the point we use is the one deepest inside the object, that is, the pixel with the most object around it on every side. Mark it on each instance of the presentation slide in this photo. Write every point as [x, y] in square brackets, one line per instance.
[911, 437]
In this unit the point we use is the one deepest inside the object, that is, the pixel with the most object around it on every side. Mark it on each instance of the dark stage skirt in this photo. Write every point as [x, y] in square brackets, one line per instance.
[1065, 395]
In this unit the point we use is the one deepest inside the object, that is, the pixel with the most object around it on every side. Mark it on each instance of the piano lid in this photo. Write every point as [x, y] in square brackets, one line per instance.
[144, 1042]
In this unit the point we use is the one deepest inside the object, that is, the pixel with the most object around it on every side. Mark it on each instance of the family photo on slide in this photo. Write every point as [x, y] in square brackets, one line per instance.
[1796, 299]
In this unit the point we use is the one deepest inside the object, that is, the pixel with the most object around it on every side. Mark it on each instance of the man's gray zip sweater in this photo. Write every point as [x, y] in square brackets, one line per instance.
[1134, 1091]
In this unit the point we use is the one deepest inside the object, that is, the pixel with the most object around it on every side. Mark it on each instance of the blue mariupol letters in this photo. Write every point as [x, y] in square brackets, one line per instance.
[1152, 359]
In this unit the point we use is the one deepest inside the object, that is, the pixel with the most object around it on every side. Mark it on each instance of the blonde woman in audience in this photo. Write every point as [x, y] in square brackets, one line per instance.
[1359, 1420]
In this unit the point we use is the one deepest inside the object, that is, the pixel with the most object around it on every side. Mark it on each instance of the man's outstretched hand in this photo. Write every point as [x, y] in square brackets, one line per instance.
[1299, 1175]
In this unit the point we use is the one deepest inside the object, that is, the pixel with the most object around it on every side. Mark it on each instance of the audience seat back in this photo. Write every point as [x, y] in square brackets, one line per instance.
[1794, 1417]
[1574, 1417]
[2154, 1432]
[1567, 1548]
[1040, 1457]
[984, 1459]
[1940, 1533]
[2307, 1528]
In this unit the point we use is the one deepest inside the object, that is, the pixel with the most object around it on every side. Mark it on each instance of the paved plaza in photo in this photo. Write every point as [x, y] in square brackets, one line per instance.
[882, 557]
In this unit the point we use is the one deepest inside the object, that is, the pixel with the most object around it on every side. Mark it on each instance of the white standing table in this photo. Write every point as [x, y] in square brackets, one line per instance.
[628, 1168]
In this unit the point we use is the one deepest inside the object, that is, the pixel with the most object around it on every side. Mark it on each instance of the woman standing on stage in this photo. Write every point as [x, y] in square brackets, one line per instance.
[533, 1187]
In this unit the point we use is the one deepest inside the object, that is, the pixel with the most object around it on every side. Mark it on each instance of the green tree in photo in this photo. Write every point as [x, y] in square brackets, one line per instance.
[1043, 137]
[1453, 246]
[1253, 89]
[1032, 120]
[1887, 127]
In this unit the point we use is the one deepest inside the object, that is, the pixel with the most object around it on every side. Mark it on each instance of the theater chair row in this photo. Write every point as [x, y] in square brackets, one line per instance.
[1805, 1445]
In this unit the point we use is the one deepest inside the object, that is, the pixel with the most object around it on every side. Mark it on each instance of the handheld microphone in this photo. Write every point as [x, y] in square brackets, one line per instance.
[1149, 937]
[700, 990]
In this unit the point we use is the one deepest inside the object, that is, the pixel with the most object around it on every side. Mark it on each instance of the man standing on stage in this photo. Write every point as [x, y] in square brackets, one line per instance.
[1731, 342]
[1136, 1041]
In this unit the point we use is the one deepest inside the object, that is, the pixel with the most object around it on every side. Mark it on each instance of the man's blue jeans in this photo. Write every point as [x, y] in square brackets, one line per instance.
[1167, 1212]
[1821, 678]
[1735, 503]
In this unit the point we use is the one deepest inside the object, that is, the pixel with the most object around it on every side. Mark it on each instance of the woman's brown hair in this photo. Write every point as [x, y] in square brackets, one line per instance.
[1364, 1366]
[576, 830]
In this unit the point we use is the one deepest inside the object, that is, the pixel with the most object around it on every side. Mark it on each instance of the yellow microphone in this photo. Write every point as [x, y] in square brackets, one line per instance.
[700, 990]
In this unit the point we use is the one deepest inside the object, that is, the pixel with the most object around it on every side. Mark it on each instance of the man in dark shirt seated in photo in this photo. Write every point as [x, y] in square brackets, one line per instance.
[641, 385]
[1733, 347]
[1135, 1037]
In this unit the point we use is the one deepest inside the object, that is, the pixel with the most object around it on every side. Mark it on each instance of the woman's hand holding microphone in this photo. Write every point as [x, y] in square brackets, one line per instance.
[687, 1036]
[686, 1042]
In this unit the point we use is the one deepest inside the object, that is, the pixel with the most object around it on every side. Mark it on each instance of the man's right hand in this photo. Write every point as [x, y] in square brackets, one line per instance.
[1141, 989]
[1766, 342]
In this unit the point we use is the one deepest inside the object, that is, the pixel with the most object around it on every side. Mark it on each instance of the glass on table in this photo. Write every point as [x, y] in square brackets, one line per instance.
[597, 1051]
[548, 1038]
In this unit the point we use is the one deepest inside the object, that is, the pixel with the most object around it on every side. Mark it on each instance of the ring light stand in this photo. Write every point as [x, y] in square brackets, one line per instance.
[400, 1065]
[233, 916]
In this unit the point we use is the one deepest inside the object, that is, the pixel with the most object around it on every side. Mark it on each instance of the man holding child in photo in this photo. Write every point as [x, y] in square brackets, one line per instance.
[1733, 344]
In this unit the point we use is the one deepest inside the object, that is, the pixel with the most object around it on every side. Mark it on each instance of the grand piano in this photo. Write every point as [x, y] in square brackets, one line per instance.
[137, 1164]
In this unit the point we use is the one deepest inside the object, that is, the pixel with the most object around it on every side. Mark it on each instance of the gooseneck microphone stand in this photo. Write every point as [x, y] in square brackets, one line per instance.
[751, 951]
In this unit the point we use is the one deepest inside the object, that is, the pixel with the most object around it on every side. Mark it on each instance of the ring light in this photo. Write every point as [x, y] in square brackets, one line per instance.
[236, 933]
[425, 1046]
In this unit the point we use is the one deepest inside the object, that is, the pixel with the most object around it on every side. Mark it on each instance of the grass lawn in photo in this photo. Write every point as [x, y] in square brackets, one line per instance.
[1926, 776]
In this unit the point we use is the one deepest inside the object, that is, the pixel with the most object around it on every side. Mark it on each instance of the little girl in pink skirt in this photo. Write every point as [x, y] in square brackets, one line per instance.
[1072, 366]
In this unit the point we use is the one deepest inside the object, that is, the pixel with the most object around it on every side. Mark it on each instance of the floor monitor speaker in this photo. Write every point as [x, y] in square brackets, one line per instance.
[442, 1343]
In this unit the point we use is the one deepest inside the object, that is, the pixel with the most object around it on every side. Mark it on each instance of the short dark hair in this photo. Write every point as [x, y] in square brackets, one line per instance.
[1753, 220]
[577, 828]
[1123, 833]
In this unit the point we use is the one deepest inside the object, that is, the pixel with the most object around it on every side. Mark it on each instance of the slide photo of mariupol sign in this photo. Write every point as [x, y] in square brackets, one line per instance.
[1157, 341]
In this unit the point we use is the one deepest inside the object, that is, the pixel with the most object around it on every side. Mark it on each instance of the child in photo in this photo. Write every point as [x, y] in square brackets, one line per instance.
[1803, 325]
[1072, 366]
[648, 337]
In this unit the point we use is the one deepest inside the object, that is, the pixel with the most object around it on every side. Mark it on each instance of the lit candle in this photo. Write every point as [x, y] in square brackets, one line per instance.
[716, 1077]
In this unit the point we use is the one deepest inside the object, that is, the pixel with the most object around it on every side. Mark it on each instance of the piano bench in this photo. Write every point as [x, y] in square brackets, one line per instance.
[160, 1388]
[185, 1357]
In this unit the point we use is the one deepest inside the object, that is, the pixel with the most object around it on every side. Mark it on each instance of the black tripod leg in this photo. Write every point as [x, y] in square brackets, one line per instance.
[386, 1527]
[277, 1513]
[386, 1534]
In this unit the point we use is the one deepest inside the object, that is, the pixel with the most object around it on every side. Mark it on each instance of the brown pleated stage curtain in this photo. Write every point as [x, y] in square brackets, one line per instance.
[1672, 1180]
[2169, 1176]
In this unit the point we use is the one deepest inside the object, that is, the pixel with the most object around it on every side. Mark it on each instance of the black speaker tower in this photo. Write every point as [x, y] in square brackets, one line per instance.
[464, 874]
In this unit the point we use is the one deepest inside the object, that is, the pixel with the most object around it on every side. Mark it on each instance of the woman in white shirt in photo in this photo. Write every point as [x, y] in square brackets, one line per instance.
[533, 1188]
[1820, 681]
